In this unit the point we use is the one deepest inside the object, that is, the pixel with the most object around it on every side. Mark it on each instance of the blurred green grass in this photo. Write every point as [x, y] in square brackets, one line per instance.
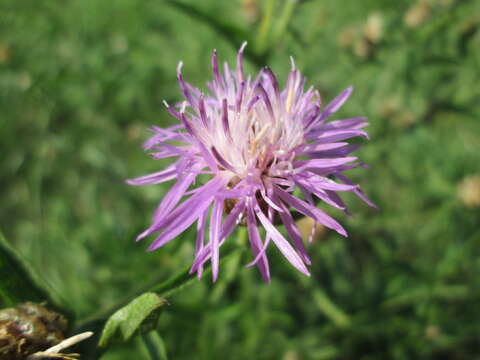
[80, 81]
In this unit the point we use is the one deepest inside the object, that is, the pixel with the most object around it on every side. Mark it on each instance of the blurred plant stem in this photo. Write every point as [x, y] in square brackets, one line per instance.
[282, 23]
[330, 309]
[265, 25]
[153, 345]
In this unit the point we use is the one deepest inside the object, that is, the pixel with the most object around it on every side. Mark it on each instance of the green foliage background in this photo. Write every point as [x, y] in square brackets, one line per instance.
[81, 80]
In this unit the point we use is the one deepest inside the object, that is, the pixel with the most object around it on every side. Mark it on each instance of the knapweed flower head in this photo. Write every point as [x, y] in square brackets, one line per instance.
[260, 145]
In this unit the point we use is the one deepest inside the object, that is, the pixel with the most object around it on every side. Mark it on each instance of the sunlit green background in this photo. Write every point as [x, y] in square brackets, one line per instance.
[81, 80]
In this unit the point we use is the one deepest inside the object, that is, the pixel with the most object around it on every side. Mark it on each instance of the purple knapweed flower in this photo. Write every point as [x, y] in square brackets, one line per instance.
[258, 143]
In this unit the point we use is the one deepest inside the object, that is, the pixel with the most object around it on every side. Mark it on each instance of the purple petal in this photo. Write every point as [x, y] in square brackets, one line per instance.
[226, 126]
[155, 178]
[221, 160]
[171, 199]
[336, 103]
[294, 234]
[335, 198]
[184, 86]
[227, 228]
[283, 245]
[322, 163]
[343, 151]
[202, 112]
[256, 243]
[240, 62]
[312, 118]
[170, 133]
[187, 124]
[335, 169]
[209, 159]
[238, 103]
[323, 147]
[324, 183]
[357, 191]
[321, 136]
[180, 224]
[228, 78]
[185, 214]
[215, 222]
[273, 81]
[353, 123]
[252, 102]
[181, 117]
[321, 194]
[199, 243]
[232, 194]
[232, 219]
[270, 201]
[311, 211]
[216, 73]
[162, 135]
[167, 150]
[271, 216]
[266, 100]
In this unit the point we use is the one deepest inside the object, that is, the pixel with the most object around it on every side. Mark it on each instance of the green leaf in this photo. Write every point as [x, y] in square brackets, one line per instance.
[139, 316]
[17, 281]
